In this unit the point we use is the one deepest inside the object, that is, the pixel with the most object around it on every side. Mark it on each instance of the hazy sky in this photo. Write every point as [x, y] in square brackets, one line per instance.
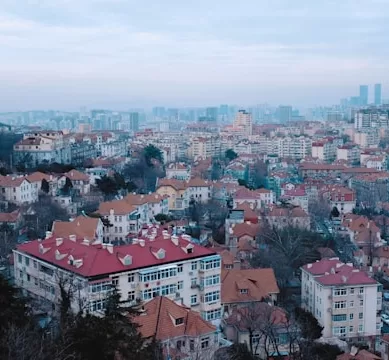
[123, 53]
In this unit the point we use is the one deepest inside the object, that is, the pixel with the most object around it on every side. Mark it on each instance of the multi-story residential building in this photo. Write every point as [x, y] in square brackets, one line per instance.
[80, 181]
[36, 179]
[367, 138]
[379, 162]
[39, 147]
[243, 120]
[17, 190]
[296, 196]
[204, 147]
[281, 217]
[199, 190]
[176, 191]
[79, 152]
[113, 148]
[256, 198]
[374, 117]
[294, 147]
[345, 300]
[179, 171]
[341, 197]
[349, 153]
[324, 149]
[155, 264]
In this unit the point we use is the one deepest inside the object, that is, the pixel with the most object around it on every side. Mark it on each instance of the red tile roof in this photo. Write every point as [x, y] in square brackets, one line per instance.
[11, 217]
[331, 272]
[97, 260]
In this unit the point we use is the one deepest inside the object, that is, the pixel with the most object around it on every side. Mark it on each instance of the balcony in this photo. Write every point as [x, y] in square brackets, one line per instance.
[224, 342]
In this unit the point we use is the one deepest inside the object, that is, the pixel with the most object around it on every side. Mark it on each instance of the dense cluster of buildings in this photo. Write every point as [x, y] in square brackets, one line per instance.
[325, 177]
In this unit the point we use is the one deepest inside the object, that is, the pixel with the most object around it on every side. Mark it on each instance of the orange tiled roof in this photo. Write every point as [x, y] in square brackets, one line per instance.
[81, 226]
[77, 175]
[159, 320]
[120, 207]
[249, 229]
[259, 283]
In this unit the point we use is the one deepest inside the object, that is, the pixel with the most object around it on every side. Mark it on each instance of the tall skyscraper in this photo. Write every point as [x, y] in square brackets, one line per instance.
[244, 120]
[377, 94]
[284, 114]
[363, 95]
[134, 121]
[211, 113]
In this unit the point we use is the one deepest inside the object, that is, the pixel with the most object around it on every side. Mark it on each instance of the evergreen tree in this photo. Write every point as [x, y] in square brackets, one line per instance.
[45, 187]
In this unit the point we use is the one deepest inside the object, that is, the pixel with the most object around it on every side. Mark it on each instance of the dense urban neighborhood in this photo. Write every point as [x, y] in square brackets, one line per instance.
[193, 234]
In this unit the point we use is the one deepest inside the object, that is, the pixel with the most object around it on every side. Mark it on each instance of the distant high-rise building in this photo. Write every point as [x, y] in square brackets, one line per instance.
[159, 111]
[285, 114]
[134, 121]
[244, 120]
[377, 94]
[363, 95]
[211, 113]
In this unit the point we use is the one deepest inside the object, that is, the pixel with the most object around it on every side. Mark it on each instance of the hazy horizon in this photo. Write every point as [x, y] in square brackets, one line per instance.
[64, 54]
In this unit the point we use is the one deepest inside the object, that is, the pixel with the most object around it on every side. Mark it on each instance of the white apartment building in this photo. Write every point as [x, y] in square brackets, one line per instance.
[349, 153]
[204, 147]
[114, 148]
[345, 300]
[294, 147]
[17, 190]
[155, 264]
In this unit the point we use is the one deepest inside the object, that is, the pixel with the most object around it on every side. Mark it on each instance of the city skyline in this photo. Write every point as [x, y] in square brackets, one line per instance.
[116, 54]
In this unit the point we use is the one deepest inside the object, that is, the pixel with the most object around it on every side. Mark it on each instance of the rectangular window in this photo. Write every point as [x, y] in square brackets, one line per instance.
[361, 290]
[210, 264]
[351, 303]
[360, 328]
[180, 268]
[351, 329]
[20, 258]
[212, 280]
[193, 282]
[360, 316]
[213, 315]
[340, 305]
[35, 264]
[193, 299]
[180, 285]
[212, 296]
[352, 291]
[351, 316]
[131, 278]
[115, 280]
[339, 330]
[168, 289]
[340, 292]
[27, 260]
[194, 265]
[191, 345]
[131, 296]
[204, 343]
[341, 317]
[361, 302]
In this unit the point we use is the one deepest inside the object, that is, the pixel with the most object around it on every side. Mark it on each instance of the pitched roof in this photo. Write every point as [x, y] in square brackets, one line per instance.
[96, 259]
[82, 226]
[246, 228]
[360, 355]
[120, 207]
[159, 320]
[198, 182]
[174, 183]
[77, 175]
[330, 272]
[38, 176]
[11, 217]
[11, 181]
[259, 283]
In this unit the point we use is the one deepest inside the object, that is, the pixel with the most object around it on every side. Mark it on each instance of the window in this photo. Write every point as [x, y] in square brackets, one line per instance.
[20, 258]
[360, 316]
[179, 321]
[213, 263]
[204, 343]
[193, 281]
[97, 305]
[360, 328]
[193, 299]
[351, 303]
[168, 289]
[339, 330]
[212, 315]
[150, 293]
[352, 291]
[191, 345]
[340, 305]
[180, 344]
[255, 338]
[131, 296]
[244, 291]
[341, 317]
[340, 292]
[212, 296]
[361, 302]
[351, 316]
[211, 280]
[115, 280]
[35, 264]
[27, 260]
[361, 290]
[180, 285]
[180, 268]
[131, 278]
[100, 287]
[194, 265]
[28, 278]
[351, 329]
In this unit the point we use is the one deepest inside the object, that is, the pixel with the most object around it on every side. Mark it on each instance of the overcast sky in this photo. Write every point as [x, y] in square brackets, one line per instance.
[124, 53]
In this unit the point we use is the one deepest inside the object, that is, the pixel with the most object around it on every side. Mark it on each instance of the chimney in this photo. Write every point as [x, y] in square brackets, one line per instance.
[58, 241]
[72, 238]
[110, 248]
[142, 242]
[309, 266]
[49, 234]
[174, 239]
[85, 242]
